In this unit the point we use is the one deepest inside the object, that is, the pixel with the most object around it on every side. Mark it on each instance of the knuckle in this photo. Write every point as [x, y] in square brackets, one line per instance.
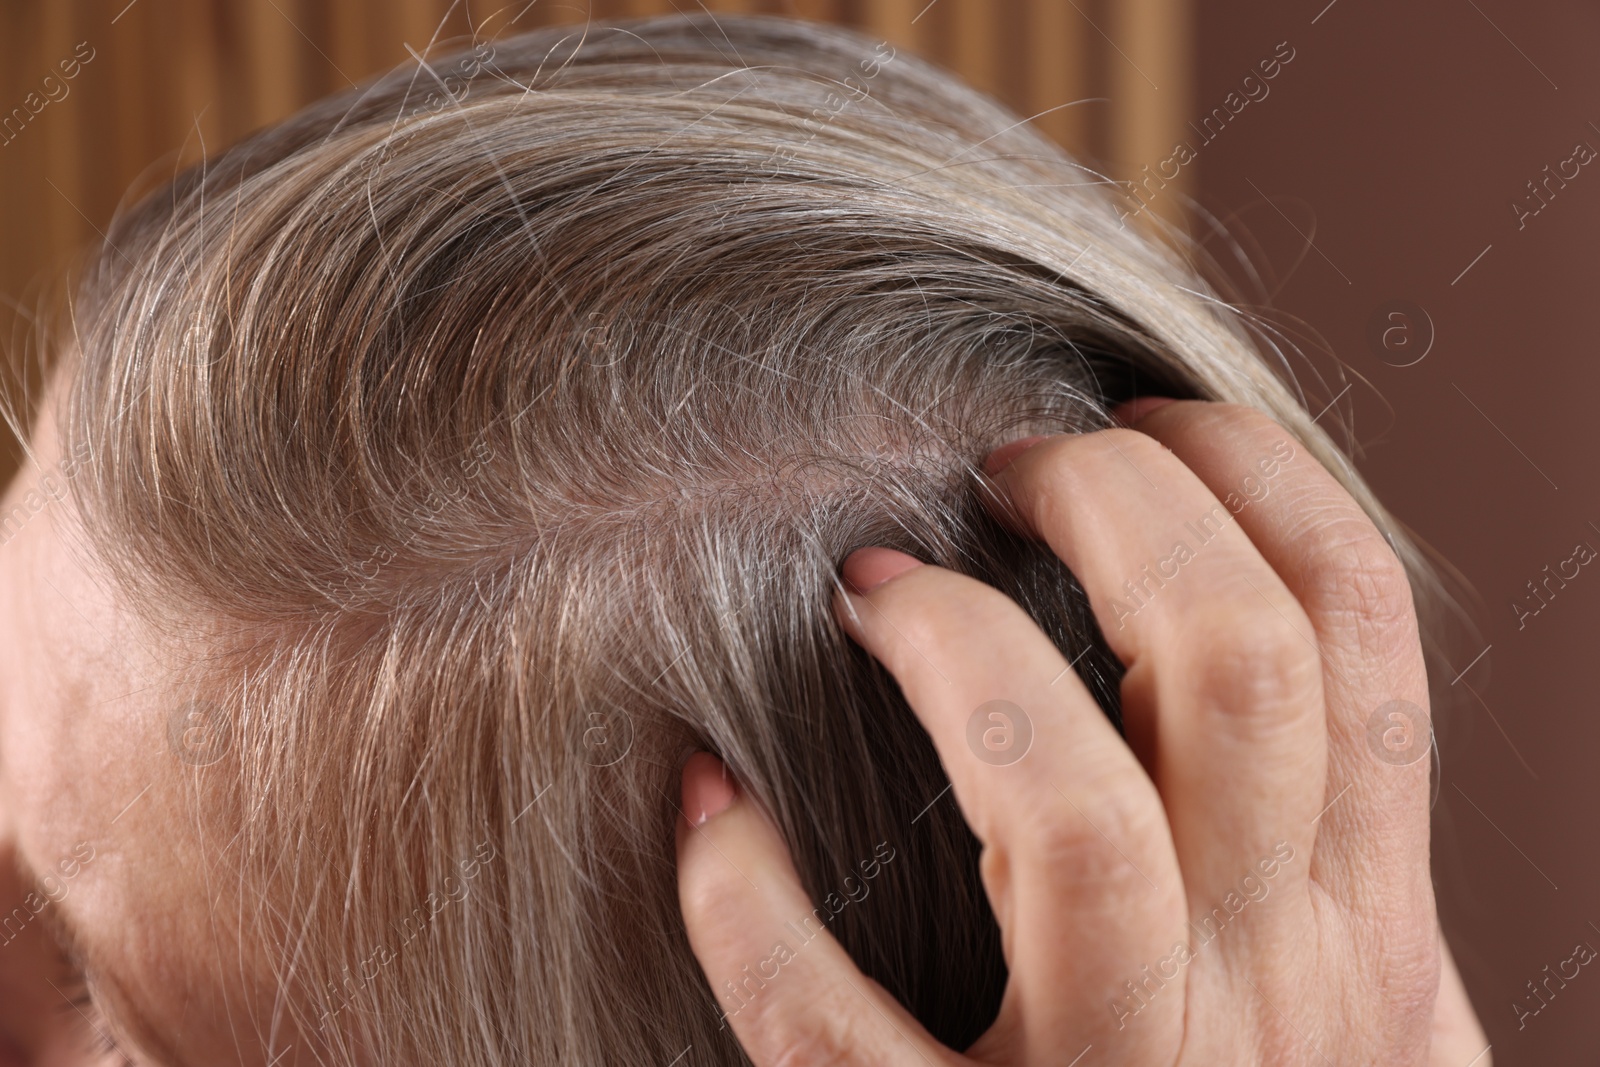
[826, 1032]
[1407, 977]
[1405, 921]
[1096, 833]
[1278, 1043]
[810, 1047]
[1356, 578]
[1411, 979]
[1252, 661]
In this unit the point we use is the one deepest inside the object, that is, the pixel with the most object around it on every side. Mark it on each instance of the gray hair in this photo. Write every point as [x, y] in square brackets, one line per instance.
[480, 461]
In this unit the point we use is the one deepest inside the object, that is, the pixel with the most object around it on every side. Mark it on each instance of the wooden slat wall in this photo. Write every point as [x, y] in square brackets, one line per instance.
[1148, 90]
[168, 75]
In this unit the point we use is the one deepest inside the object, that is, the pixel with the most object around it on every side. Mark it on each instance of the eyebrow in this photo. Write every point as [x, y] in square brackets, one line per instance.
[58, 923]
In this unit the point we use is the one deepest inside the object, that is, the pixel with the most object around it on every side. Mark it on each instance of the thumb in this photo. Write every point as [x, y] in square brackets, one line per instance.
[790, 993]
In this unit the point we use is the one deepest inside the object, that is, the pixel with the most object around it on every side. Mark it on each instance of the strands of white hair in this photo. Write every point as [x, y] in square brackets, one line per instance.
[480, 462]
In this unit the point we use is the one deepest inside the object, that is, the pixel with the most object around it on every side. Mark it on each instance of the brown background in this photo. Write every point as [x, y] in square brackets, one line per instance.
[1397, 141]
[1382, 163]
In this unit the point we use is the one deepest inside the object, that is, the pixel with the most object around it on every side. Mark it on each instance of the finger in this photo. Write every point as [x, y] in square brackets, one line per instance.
[1222, 693]
[1357, 597]
[790, 993]
[1458, 1037]
[1077, 858]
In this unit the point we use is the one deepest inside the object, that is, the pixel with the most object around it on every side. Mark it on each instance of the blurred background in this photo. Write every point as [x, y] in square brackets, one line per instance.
[1402, 189]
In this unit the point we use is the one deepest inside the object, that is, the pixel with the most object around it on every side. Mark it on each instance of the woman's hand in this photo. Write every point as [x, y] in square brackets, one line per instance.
[1244, 881]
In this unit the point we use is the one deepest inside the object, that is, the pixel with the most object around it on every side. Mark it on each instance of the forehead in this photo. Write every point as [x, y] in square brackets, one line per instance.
[76, 684]
[91, 792]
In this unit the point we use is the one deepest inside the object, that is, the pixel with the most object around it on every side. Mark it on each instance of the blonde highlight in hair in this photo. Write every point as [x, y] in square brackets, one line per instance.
[448, 447]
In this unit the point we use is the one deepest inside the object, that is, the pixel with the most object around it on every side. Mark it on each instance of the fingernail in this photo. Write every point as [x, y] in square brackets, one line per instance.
[867, 568]
[708, 788]
[1001, 457]
[1131, 411]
